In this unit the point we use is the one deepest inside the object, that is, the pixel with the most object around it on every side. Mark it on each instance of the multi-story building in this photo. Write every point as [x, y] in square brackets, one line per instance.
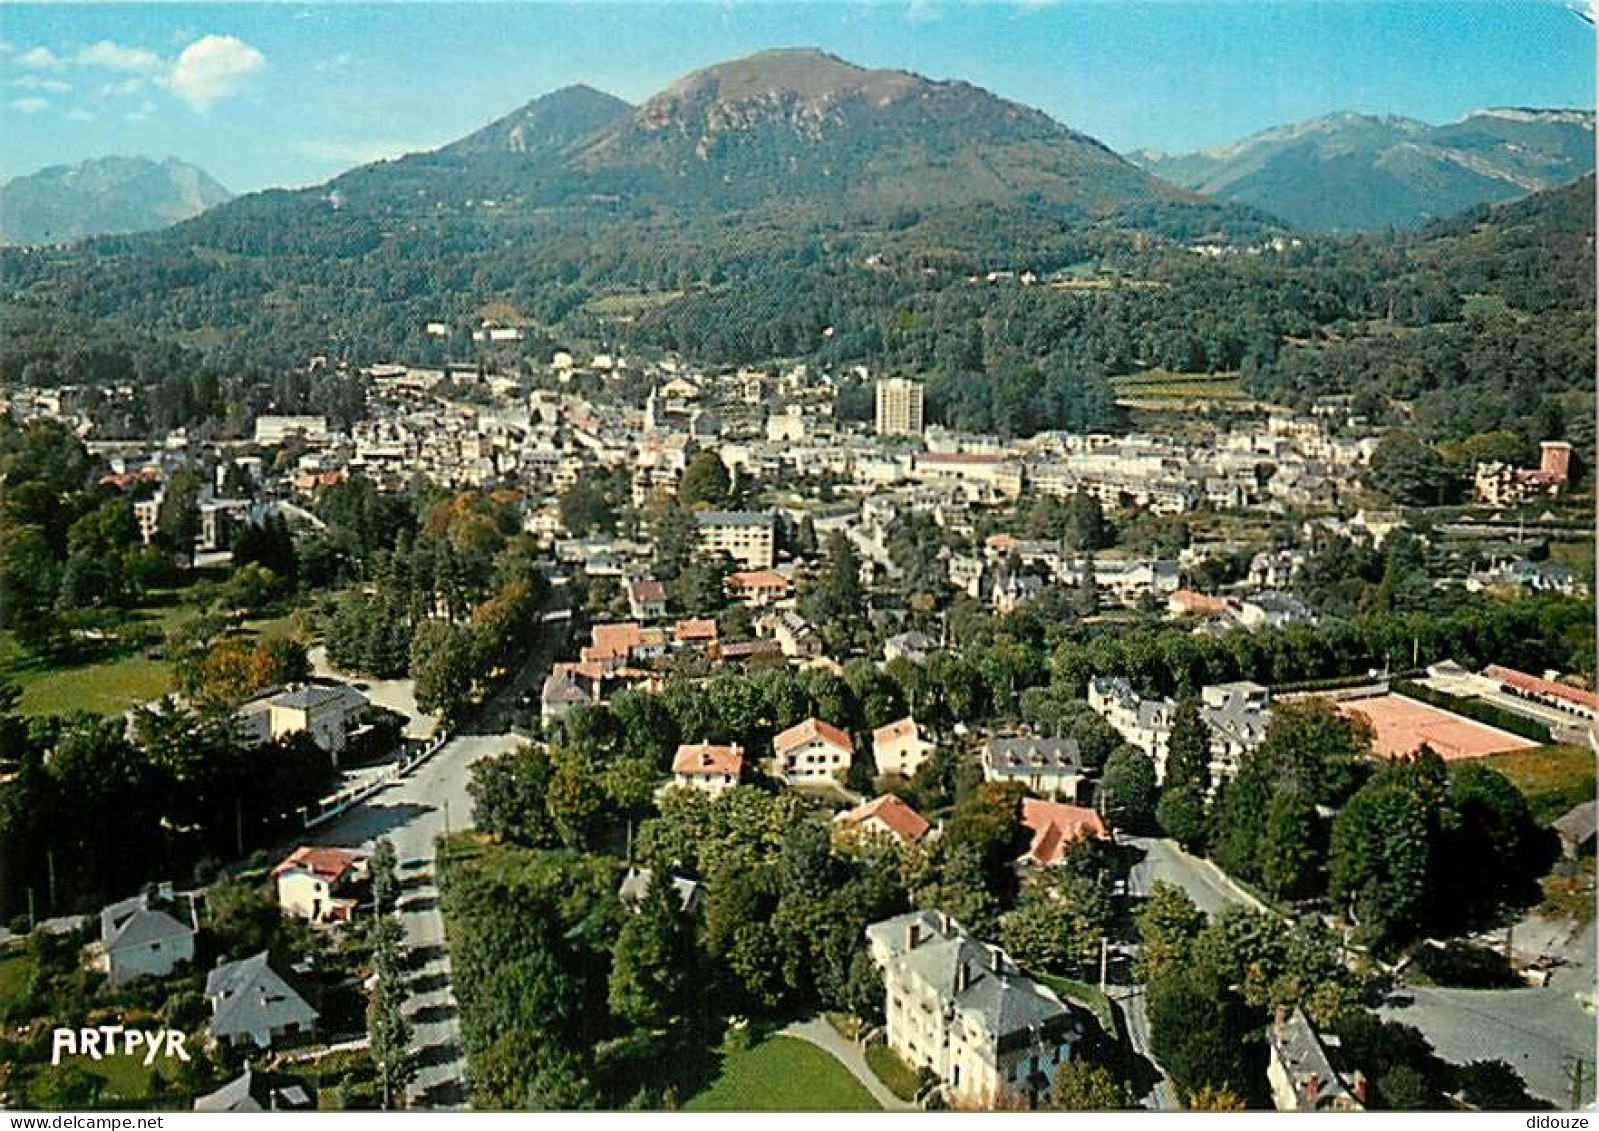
[748, 537]
[963, 1010]
[1052, 767]
[900, 406]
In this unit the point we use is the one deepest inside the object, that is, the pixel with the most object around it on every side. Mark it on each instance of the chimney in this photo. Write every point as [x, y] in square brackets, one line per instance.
[996, 959]
[1357, 1085]
[1282, 1016]
[963, 976]
[1312, 1089]
[913, 934]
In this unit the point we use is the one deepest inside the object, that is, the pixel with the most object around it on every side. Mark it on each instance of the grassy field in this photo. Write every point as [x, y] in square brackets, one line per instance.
[1552, 778]
[783, 1074]
[113, 684]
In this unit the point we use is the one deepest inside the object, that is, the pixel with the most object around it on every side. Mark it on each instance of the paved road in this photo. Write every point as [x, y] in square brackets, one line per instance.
[1206, 884]
[413, 813]
[1135, 1018]
[1538, 1031]
[818, 1032]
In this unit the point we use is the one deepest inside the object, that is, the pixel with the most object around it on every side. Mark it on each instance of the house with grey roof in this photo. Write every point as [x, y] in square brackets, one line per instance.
[963, 1010]
[251, 1003]
[143, 937]
[1050, 767]
[1301, 1074]
[253, 1091]
[325, 711]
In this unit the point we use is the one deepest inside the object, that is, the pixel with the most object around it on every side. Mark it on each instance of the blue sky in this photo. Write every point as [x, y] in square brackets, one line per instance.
[290, 94]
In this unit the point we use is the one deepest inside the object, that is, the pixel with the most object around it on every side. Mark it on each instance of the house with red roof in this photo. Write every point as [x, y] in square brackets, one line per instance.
[812, 751]
[901, 747]
[1055, 828]
[707, 767]
[759, 588]
[885, 816]
[319, 884]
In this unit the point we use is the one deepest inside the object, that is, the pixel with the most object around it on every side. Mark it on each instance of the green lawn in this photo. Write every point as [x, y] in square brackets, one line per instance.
[15, 970]
[895, 1074]
[1552, 778]
[111, 685]
[1086, 996]
[783, 1074]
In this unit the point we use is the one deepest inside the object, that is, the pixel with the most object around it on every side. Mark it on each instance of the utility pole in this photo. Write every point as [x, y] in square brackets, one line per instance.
[1104, 960]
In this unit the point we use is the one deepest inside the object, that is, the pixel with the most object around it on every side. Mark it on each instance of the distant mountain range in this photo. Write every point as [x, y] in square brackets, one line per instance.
[797, 126]
[1355, 172]
[105, 196]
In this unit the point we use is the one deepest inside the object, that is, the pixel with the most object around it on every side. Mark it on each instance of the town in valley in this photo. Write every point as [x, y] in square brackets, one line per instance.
[822, 590]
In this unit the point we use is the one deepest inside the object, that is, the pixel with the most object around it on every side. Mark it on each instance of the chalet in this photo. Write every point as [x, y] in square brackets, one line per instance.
[1301, 1075]
[251, 1004]
[812, 751]
[885, 816]
[140, 938]
[708, 768]
[320, 885]
[901, 747]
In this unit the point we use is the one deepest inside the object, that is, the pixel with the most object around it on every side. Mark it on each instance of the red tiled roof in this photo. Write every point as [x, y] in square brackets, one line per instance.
[813, 728]
[904, 728]
[759, 579]
[902, 820]
[648, 590]
[1190, 601]
[329, 863]
[1536, 685]
[1054, 826]
[704, 758]
[695, 628]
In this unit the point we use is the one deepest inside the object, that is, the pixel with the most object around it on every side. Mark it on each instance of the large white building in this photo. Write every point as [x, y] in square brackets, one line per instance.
[963, 1010]
[748, 537]
[900, 406]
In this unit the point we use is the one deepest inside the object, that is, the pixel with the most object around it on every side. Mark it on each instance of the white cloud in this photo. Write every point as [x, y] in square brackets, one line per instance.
[39, 59]
[142, 113]
[30, 105]
[212, 68]
[79, 114]
[922, 12]
[115, 57]
[123, 89]
[37, 82]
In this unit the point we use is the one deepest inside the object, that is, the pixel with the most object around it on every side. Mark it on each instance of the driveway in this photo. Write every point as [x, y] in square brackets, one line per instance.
[398, 695]
[1207, 885]
[818, 1032]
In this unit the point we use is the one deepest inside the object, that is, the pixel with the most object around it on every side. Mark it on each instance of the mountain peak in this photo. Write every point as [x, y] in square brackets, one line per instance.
[806, 75]
[108, 195]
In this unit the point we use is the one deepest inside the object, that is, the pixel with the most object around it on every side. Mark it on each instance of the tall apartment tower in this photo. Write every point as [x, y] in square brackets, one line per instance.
[899, 407]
